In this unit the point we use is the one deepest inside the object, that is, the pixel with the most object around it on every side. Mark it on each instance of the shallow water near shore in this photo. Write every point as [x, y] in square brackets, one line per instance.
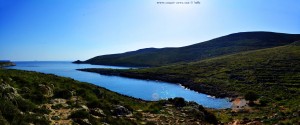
[143, 89]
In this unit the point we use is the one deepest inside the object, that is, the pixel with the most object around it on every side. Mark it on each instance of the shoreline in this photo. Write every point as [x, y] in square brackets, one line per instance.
[131, 97]
[201, 88]
[6, 64]
[137, 99]
[96, 103]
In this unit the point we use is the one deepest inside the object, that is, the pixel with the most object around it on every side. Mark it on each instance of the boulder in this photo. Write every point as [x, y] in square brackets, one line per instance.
[46, 90]
[83, 121]
[25, 90]
[97, 112]
[55, 118]
[8, 92]
[121, 111]
[84, 107]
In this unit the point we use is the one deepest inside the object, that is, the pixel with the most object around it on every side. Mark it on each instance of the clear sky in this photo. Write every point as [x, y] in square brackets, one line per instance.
[81, 29]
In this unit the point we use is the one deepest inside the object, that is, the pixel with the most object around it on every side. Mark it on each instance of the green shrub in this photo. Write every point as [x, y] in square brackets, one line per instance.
[263, 101]
[86, 94]
[79, 114]
[65, 94]
[98, 92]
[211, 118]
[35, 119]
[3, 121]
[178, 101]
[57, 106]
[81, 92]
[154, 108]
[25, 105]
[42, 110]
[9, 111]
[251, 96]
[37, 97]
[95, 104]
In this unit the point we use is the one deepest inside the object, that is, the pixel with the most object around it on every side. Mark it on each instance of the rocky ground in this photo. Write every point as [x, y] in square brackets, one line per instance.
[35, 98]
[168, 115]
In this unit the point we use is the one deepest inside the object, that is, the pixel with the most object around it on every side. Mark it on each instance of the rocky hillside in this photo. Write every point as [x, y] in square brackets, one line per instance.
[41, 99]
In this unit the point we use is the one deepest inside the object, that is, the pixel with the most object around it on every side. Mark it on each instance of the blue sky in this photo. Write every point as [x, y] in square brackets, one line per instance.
[81, 29]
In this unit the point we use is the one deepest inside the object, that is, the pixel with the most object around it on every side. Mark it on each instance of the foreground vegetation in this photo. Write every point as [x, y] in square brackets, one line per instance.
[272, 74]
[233, 43]
[41, 99]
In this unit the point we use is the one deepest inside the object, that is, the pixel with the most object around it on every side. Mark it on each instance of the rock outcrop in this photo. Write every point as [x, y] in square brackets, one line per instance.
[121, 111]
[46, 90]
[8, 92]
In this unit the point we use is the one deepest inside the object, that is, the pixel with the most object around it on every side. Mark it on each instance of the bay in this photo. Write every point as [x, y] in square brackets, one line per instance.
[144, 89]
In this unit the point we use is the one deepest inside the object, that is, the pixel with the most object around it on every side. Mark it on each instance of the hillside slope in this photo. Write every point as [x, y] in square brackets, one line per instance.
[273, 74]
[229, 44]
[41, 99]
[273, 66]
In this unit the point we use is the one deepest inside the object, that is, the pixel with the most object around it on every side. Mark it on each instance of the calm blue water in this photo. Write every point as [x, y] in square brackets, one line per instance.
[144, 89]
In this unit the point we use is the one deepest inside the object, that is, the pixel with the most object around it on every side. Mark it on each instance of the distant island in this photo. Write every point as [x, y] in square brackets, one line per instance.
[5, 63]
[78, 62]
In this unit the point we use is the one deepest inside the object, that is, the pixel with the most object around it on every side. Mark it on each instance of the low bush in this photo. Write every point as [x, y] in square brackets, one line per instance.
[65, 94]
[79, 114]
[178, 101]
[25, 105]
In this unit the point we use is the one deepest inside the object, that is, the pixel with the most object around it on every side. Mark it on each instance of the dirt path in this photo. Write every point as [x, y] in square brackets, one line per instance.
[59, 116]
[239, 103]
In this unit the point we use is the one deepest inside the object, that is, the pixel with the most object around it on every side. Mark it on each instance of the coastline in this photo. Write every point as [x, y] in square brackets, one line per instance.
[100, 105]
[6, 64]
[201, 88]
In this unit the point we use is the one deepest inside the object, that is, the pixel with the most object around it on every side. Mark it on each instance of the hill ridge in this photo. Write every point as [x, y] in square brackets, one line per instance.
[228, 44]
